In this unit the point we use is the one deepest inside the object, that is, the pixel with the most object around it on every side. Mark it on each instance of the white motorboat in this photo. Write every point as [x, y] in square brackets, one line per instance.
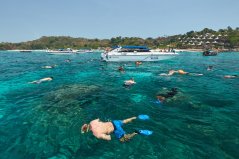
[84, 51]
[136, 53]
[61, 51]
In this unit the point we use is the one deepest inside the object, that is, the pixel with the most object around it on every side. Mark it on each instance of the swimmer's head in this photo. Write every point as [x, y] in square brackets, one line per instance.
[161, 98]
[85, 128]
[51, 77]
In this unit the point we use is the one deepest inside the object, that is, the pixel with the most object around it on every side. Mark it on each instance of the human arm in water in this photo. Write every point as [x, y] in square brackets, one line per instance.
[104, 137]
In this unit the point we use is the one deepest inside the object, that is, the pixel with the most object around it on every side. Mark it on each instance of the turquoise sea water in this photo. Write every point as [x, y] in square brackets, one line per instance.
[44, 120]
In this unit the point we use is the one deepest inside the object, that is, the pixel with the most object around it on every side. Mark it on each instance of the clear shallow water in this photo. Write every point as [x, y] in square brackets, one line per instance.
[43, 121]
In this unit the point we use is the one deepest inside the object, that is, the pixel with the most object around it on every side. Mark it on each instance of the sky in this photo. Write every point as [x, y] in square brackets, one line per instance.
[25, 20]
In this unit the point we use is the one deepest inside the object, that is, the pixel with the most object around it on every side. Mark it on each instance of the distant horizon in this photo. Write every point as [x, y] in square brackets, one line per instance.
[27, 20]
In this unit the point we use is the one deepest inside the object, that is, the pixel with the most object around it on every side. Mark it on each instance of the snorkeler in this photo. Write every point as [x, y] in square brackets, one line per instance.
[138, 63]
[129, 82]
[181, 72]
[68, 60]
[209, 68]
[170, 94]
[102, 130]
[230, 76]
[49, 67]
[170, 73]
[121, 69]
[42, 80]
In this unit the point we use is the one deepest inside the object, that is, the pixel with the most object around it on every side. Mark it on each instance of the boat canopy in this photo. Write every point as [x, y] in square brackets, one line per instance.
[135, 47]
[132, 48]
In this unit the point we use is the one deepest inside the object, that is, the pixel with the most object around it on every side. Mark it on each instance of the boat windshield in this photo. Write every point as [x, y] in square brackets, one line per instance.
[134, 49]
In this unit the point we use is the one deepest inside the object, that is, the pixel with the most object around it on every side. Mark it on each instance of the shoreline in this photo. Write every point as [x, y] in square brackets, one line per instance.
[176, 50]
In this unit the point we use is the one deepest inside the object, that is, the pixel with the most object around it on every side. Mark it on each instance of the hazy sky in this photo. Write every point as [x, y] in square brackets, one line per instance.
[23, 20]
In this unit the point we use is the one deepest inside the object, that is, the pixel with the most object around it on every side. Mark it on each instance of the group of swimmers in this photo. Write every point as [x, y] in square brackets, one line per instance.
[47, 78]
[182, 72]
[209, 68]
[162, 97]
[121, 68]
[131, 81]
[102, 130]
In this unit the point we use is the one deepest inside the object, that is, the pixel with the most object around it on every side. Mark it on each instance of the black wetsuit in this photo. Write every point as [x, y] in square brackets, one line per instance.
[170, 94]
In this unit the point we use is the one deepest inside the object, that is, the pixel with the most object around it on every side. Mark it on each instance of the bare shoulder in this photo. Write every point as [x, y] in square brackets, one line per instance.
[95, 121]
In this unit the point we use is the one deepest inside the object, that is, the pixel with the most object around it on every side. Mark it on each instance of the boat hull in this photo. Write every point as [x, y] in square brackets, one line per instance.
[59, 53]
[209, 53]
[147, 57]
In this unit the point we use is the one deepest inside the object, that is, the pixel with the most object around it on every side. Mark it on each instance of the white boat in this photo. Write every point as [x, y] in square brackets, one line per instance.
[84, 51]
[136, 53]
[61, 51]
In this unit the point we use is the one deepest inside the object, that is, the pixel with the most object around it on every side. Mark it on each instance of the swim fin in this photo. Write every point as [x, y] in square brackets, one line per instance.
[144, 132]
[143, 117]
[157, 102]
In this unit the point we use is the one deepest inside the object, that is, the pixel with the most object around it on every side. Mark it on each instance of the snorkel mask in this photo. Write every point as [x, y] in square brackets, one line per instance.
[85, 128]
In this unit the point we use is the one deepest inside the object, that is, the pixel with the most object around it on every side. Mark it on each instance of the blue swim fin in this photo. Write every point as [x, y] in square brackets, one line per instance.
[143, 117]
[144, 132]
[157, 102]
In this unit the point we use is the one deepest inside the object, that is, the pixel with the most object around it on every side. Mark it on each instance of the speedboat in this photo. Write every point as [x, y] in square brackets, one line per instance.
[84, 51]
[61, 51]
[209, 53]
[136, 53]
[25, 51]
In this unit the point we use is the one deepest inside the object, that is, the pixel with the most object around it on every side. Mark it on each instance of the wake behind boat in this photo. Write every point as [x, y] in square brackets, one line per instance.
[136, 53]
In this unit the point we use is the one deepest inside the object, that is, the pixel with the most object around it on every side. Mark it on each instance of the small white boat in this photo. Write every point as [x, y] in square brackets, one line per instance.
[136, 53]
[84, 51]
[25, 50]
[61, 51]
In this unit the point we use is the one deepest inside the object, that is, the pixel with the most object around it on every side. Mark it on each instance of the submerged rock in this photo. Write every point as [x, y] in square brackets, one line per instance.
[71, 92]
[51, 130]
[69, 97]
